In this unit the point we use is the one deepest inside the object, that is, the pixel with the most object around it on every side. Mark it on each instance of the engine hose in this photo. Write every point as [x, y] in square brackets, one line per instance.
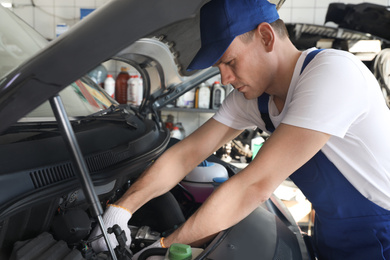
[152, 252]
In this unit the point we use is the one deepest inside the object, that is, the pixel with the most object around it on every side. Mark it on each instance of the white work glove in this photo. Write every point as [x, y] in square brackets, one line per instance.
[113, 215]
[156, 244]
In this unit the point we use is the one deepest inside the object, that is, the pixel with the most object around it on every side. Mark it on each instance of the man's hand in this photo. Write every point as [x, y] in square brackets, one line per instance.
[113, 215]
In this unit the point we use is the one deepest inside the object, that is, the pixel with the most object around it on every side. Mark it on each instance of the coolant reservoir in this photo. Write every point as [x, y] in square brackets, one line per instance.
[199, 182]
[182, 252]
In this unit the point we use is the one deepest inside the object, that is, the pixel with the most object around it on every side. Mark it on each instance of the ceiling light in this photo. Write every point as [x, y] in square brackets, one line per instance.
[7, 5]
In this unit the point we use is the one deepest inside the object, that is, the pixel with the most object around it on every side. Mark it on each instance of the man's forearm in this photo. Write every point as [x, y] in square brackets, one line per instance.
[162, 176]
[216, 214]
[282, 154]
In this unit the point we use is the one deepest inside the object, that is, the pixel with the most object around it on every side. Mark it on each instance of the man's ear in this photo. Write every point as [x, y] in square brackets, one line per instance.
[267, 35]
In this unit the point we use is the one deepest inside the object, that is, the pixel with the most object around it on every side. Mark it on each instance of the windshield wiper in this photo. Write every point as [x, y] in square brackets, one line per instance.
[117, 113]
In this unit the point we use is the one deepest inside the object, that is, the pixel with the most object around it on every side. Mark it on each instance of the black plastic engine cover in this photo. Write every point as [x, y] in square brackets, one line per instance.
[44, 247]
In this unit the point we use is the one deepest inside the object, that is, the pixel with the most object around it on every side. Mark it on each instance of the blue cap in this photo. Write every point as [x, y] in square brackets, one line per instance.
[222, 20]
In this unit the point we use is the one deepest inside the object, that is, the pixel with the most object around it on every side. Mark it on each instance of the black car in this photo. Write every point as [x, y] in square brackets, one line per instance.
[68, 149]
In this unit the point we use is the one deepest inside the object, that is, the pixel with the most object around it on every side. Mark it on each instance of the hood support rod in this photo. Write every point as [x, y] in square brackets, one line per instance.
[80, 166]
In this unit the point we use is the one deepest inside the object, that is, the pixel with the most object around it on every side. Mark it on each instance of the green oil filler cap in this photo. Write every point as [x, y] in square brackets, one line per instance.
[180, 252]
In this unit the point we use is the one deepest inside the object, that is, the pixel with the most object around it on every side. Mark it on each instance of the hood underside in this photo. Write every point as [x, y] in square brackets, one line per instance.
[63, 61]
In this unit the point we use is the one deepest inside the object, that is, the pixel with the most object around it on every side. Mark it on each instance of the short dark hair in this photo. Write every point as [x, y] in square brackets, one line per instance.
[278, 26]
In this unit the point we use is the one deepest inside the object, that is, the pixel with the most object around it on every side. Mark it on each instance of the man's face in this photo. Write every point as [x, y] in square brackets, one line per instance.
[246, 66]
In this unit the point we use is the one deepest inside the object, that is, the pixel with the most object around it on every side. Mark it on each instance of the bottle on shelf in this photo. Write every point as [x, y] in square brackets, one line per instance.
[121, 86]
[169, 122]
[99, 75]
[202, 96]
[217, 95]
[186, 100]
[109, 85]
[135, 90]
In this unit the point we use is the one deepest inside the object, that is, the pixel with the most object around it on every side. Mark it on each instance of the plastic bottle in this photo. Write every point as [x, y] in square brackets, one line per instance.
[121, 86]
[176, 133]
[169, 122]
[181, 128]
[187, 99]
[202, 96]
[109, 86]
[135, 90]
[179, 102]
[99, 75]
[141, 91]
[217, 96]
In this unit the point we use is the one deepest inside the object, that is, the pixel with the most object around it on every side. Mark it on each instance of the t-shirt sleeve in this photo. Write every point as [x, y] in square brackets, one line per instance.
[330, 95]
[236, 112]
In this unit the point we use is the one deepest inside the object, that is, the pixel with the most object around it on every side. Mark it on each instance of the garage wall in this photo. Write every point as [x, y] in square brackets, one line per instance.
[46, 14]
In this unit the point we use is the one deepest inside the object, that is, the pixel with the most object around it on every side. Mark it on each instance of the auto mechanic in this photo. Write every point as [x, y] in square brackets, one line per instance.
[330, 134]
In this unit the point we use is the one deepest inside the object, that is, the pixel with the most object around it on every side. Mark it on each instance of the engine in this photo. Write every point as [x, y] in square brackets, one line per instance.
[68, 236]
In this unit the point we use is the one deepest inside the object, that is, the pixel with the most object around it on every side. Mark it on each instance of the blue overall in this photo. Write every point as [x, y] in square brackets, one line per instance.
[347, 225]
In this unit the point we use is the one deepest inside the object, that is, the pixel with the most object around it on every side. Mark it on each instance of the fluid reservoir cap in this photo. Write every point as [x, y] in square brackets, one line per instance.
[220, 179]
[179, 252]
[205, 163]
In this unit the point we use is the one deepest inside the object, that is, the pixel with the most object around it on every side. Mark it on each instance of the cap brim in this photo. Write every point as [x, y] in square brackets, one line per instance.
[208, 55]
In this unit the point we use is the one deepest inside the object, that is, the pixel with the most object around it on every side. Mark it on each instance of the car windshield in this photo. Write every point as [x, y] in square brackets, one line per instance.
[82, 98]
[19, 42]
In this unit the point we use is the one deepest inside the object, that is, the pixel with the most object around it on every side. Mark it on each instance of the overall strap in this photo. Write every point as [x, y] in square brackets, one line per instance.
[262, 101]
[308, 58]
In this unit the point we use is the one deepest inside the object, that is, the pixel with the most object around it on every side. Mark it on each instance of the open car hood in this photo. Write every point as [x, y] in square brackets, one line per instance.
[159, 41]
[99, 37]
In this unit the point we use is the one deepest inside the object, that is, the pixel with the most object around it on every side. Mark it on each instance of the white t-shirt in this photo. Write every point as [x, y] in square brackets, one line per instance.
[338, 95]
